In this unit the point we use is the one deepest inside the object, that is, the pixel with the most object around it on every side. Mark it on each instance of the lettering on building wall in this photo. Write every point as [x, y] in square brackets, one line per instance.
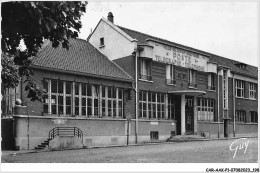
[178, 57]
[59, 121]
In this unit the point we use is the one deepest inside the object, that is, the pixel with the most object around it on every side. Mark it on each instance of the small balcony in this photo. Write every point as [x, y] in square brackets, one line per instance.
[212, 88]
[192, 85]
[146, 77]
[170, 82]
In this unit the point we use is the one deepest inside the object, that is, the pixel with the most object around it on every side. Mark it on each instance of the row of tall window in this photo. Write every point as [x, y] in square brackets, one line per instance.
[153, 105]
[241, 116]
[73, 98]
[240, 89]
[145, 74]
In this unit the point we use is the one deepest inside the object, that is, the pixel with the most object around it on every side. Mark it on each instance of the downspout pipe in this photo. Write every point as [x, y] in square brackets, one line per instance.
[234, 107]
[218, 104]
[136, 100]
[137, 50]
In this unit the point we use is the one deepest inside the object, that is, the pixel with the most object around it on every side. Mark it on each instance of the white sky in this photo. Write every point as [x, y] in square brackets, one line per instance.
[227, 29]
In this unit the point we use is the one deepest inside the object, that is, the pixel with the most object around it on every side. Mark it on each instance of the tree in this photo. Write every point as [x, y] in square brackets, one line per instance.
[31, 23]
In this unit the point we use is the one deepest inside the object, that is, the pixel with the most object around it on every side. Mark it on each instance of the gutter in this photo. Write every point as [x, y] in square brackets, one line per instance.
[81, 73]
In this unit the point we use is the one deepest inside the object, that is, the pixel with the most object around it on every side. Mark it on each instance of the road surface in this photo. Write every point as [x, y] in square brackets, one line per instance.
[217, 151]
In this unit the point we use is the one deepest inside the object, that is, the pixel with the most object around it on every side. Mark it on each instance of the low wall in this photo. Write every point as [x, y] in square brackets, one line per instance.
[65, 142]
[212, 128]
[33, 130]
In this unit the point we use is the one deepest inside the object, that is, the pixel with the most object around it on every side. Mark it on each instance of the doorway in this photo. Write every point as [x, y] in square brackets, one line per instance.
[189, 115]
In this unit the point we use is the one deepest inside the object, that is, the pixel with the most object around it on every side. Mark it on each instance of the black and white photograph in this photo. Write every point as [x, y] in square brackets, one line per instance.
[129, 86]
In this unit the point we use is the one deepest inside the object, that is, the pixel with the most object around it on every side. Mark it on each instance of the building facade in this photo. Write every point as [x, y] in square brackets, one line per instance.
[122, 86]
[200, 92]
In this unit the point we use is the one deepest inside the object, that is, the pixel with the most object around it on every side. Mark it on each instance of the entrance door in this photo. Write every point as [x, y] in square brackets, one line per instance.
[189, 115]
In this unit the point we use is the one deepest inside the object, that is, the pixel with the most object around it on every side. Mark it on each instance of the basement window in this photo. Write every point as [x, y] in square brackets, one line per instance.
[154, 135]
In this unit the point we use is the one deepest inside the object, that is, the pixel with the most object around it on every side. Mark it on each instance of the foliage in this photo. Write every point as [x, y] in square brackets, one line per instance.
[32, 22]
[9, 75]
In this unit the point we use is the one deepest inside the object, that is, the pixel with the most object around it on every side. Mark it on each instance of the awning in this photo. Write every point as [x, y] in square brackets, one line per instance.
[188, 92]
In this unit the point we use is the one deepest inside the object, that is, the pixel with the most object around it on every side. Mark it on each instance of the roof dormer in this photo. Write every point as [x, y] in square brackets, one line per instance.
[241, 65]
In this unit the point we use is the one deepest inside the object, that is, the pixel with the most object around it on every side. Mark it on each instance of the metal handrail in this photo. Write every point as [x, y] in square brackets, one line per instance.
[65, 131]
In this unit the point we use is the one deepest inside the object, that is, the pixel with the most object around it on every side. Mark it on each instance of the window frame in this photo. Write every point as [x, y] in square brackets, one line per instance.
[85, 99]
[240, 116]
[211, 82]
[170, 74]
[192, 78]
[102, 42]
[145, 72]
[206, 109]
[252, 90]
[152, 105]
[254, 114]
[240, 86]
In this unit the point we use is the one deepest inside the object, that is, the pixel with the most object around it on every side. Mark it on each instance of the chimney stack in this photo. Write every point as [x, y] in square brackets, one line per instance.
[110, 17]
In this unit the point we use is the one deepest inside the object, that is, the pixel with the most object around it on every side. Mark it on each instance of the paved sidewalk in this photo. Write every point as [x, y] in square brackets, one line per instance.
[12, 152]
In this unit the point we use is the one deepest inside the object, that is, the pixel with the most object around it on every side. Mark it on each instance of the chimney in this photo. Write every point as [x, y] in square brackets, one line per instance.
[110, 17]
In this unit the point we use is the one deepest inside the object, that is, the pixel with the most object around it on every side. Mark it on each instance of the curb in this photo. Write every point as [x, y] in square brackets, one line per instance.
[114, 146]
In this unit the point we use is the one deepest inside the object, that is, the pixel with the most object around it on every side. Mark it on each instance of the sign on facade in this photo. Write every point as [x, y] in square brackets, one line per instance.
[179, 57]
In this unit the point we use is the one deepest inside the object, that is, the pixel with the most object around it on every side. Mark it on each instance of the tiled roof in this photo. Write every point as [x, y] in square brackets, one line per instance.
[141, 37]
[81, 57]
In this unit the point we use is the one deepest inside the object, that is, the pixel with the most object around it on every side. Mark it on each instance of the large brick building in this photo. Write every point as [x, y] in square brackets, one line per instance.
[122, 86]
[199, 92]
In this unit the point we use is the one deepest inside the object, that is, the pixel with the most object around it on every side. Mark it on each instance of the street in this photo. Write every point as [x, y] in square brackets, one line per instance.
[215, 151]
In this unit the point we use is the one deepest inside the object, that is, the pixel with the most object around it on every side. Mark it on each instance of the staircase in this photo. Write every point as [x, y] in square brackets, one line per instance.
[61, 131]
[186, 138]
[43, 145]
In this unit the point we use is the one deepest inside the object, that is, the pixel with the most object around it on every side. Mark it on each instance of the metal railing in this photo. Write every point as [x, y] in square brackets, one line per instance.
[65, 131]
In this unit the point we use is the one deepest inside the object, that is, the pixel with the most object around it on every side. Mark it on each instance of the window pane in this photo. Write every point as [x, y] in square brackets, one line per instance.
[60, 87]
[83, 89]
[109, 108]
[96, 107]
[68, 87]
[114, 92]
[109, 92]
[144, 96]
[114, 108]
[103, 91]
[144, 110]
[141, 95]
[89, 90]
[45, 85]
[89, 108]
[76, 88]
[103, 107]
[54, 86]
